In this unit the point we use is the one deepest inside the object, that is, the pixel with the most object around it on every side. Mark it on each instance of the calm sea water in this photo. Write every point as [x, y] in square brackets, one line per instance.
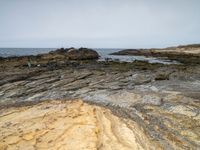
[6, 52]
[104, 53]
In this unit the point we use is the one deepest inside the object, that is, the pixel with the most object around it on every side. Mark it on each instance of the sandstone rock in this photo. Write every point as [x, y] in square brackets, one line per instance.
[167, 117]
[69, 125]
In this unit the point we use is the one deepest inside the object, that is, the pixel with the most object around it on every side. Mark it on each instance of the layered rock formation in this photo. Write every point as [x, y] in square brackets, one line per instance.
[184, 54]
[158, 105]
[68, 125]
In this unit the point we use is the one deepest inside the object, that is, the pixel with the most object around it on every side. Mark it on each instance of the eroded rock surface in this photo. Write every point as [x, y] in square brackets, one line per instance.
[163, 100]
[69, 125]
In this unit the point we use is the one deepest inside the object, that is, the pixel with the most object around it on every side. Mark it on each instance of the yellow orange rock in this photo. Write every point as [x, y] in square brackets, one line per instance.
[70, 125]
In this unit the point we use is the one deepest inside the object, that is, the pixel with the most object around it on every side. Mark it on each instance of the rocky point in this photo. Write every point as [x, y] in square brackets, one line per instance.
[60, 103]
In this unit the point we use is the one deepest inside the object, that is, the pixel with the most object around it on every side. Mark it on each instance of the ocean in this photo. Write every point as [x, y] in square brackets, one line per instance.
[103, 52]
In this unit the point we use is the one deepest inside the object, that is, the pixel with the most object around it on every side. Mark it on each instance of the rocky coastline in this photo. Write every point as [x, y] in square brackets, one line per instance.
[185, 54]
[156, 106]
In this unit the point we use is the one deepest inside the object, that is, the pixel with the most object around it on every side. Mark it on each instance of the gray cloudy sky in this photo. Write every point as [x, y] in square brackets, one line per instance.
[99, 23]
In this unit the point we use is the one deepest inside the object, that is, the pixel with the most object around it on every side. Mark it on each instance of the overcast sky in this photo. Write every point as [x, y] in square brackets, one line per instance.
[99, 23]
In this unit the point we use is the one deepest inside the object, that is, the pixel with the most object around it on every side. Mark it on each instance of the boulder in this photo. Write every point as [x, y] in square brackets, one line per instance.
[82, 54]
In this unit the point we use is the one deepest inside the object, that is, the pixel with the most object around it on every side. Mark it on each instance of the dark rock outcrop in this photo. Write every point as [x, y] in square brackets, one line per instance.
[59, 51]
[82, 54]
[73, 54]
[184, 53]
[56, 56]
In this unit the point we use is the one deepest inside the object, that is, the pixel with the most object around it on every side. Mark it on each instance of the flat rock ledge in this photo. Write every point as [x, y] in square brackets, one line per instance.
[185, 53]
[71, 125]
